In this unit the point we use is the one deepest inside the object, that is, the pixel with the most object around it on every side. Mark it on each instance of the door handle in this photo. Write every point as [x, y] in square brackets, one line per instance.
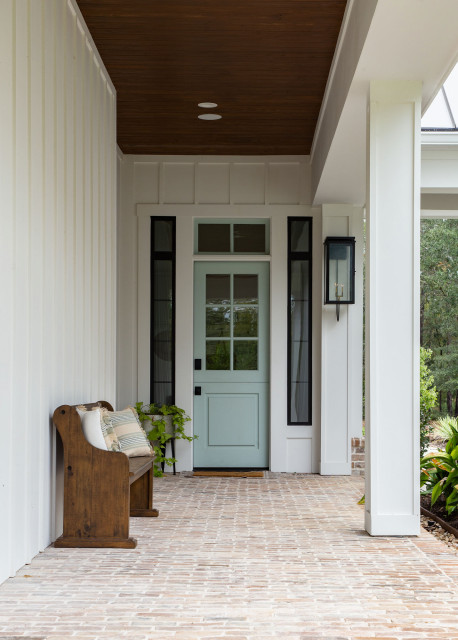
[197, 391]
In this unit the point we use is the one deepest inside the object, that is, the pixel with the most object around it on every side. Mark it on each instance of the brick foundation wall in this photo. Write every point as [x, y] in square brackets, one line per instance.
[357, 456]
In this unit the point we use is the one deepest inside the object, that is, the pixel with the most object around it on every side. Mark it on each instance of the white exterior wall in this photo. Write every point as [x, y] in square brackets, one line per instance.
[230, 187]
[342, 353]
[57, 264]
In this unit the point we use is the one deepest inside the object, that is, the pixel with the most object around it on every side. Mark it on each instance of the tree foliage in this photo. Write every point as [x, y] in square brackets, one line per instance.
[428, 398]
[439, 304]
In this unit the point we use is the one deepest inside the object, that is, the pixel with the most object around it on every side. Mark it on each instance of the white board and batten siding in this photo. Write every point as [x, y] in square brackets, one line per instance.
[57, 264]
[342, 352]
[190, 187]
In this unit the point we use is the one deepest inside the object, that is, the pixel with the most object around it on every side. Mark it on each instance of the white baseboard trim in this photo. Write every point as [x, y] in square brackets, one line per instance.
[392, 524]
[335, 469]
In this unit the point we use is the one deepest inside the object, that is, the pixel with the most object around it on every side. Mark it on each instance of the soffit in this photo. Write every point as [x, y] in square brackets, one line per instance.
[264, 62]
[402, 41]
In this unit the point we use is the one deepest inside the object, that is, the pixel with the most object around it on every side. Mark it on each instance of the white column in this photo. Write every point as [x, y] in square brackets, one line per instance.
[341, 353]
[392, 309]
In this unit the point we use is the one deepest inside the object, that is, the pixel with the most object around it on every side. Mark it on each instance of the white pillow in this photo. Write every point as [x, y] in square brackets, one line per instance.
[92, 429]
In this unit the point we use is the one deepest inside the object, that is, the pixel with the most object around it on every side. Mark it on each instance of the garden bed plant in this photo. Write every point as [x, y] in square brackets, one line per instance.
[439, 476]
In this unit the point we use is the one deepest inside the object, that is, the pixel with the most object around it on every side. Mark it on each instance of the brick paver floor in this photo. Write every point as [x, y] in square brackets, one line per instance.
[235, 558]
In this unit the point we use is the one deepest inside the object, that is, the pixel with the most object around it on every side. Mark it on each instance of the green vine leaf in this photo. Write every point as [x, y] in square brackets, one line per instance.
[157, 429]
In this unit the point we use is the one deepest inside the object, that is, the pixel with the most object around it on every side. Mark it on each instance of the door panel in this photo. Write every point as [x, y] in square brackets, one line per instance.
[233, 419]
[232, 426]
[231, 339]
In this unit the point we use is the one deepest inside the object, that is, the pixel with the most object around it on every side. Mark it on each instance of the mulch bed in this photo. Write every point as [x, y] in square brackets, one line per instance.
[438, 513]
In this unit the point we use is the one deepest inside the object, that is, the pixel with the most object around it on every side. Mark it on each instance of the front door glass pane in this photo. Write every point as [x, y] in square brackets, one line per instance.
[218, 355]
[245, 322]
[218, 289]
[245, 289]
[232, 313]
[245, 355]
[218, 322]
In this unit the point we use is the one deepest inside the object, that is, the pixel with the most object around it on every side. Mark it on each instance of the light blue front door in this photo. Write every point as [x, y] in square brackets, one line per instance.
[231, 366]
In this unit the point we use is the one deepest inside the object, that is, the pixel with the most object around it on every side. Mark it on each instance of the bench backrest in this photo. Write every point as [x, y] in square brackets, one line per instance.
[96, 482]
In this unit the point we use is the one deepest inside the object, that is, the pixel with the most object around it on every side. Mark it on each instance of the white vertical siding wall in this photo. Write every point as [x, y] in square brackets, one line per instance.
[341, 353]
[57, 263]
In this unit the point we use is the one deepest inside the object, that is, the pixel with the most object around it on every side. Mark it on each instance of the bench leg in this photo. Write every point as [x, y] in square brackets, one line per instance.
[144, 513]
[66, 542]
[141, 497]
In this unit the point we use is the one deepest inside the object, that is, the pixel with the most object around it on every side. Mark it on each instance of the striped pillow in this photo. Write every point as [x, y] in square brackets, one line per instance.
[129, 433]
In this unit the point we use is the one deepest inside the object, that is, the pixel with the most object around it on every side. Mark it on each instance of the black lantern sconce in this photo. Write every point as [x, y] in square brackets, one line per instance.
[339, 272]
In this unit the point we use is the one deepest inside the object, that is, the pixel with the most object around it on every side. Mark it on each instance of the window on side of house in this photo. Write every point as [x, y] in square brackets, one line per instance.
[163, 242]
[300, 321]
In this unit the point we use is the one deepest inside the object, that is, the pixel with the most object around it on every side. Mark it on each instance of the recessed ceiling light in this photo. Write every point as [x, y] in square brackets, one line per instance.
[209, 116]
[207, 105]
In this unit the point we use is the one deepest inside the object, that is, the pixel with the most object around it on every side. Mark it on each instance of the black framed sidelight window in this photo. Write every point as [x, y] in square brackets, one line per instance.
[300, 321]
[163, 250]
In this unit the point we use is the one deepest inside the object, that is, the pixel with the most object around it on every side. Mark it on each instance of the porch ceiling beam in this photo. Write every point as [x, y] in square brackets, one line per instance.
[439, 169]
[439, 205]
[444, 201]
[381, 39]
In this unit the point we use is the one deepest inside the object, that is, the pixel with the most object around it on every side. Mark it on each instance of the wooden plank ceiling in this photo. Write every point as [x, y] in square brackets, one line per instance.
[264, 62]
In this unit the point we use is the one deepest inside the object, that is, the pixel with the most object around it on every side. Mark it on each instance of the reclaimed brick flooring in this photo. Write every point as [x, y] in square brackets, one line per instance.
[241, 559]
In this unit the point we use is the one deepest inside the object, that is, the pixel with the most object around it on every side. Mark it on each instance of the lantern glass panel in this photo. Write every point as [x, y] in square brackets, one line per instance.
[340, 270]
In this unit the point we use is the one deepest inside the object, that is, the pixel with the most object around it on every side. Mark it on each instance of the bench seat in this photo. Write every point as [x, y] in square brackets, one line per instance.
[102, 489]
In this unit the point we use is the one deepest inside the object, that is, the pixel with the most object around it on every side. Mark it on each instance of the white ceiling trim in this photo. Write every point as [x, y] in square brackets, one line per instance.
[408, 40]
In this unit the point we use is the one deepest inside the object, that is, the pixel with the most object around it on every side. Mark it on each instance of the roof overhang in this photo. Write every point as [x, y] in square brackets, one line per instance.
[380, 40]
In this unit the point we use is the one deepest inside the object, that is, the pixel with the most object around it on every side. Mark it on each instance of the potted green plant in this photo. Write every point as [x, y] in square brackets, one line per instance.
[162, 423]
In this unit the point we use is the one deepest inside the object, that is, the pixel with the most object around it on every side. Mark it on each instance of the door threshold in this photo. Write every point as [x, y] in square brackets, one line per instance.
[228, 473]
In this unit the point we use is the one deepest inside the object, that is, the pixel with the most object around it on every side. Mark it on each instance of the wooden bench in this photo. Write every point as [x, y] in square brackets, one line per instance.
[101, 488]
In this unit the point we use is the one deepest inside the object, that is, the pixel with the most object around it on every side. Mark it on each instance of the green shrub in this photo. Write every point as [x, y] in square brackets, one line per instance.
[447, 427]
[428, 397]
[439, 471]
